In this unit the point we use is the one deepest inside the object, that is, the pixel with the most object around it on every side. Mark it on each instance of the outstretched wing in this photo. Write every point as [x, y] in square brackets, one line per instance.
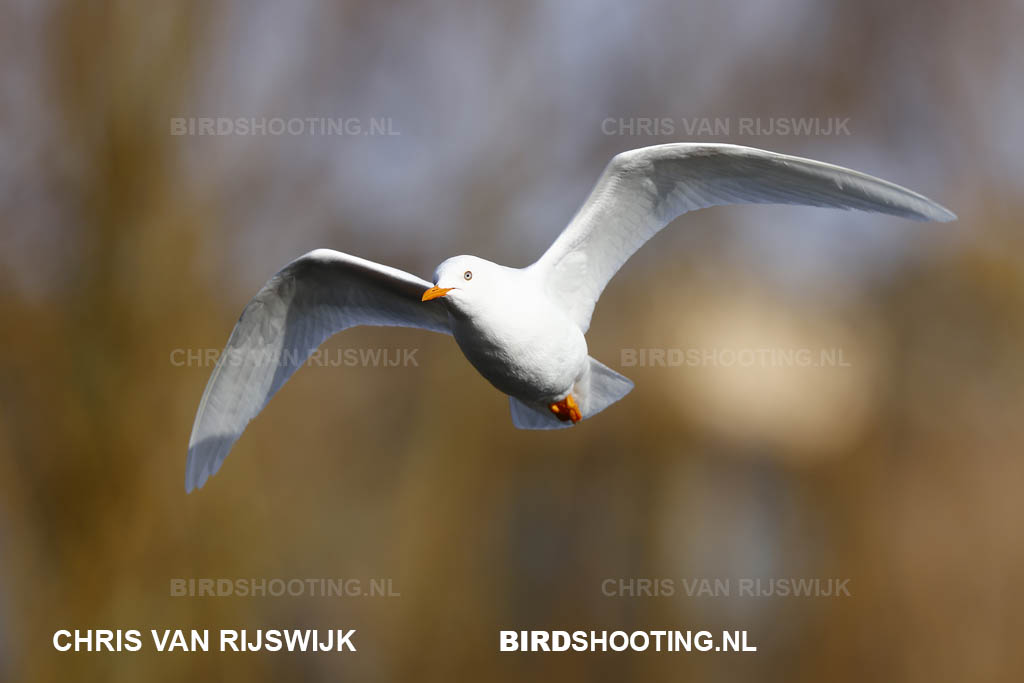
[643, 190]
[309, 300]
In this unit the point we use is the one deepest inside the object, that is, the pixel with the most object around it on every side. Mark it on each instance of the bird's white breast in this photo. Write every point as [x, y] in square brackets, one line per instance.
[524, 344]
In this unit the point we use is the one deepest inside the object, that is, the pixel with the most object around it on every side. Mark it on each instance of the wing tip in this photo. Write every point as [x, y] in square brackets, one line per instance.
[933, 211]
[204, 459]
[192, 481]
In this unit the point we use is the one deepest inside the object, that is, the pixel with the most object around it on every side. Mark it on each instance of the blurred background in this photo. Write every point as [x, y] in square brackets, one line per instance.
[130, 250]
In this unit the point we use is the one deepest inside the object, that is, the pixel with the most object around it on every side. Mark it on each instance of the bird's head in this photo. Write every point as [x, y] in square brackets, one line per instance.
[465, 281]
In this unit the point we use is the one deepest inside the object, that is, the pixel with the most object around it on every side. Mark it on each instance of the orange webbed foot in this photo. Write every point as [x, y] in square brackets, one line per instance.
[567, 409]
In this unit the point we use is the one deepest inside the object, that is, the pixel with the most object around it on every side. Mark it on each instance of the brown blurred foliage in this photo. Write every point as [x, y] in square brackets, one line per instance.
[122, 243]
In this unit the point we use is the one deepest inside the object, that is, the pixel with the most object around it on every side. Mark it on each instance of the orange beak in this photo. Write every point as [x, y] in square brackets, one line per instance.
[435, 293]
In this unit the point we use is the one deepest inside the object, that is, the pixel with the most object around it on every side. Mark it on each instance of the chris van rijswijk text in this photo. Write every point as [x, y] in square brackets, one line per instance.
[193, 640]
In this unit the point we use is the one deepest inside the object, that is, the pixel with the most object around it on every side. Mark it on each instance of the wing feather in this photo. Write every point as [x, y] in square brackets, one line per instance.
[643, 190]
[307, 301]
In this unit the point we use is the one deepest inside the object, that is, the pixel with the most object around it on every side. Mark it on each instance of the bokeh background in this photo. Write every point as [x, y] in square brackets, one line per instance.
[899, 469]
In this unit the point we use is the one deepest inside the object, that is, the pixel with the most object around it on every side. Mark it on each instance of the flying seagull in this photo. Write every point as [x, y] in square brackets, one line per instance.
[521, 328]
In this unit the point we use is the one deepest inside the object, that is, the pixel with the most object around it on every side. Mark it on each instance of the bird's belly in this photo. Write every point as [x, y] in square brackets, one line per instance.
[541, 365]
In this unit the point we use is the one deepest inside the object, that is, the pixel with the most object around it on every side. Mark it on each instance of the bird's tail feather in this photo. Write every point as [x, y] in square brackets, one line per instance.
[598, 389]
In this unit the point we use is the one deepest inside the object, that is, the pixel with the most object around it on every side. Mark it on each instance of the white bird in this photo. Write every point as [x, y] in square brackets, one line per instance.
[521, 328]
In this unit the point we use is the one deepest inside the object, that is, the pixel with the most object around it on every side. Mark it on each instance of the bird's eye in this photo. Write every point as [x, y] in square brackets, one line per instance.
[468, 275]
